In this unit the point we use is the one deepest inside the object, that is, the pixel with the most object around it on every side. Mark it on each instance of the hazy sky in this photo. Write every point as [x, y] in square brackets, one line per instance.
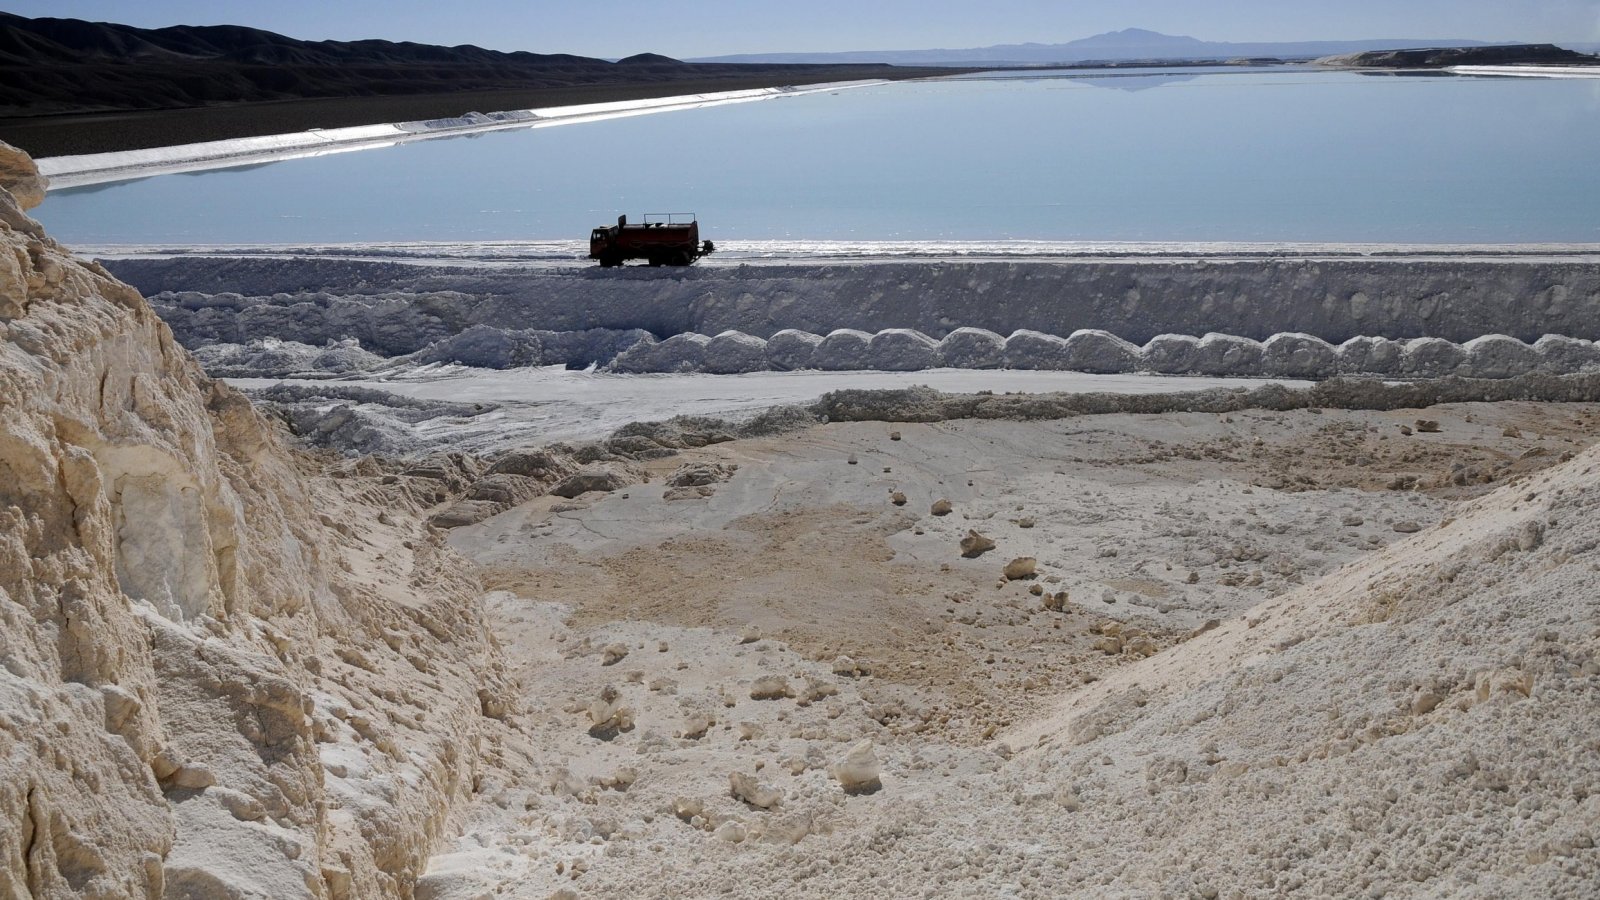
[708, 27]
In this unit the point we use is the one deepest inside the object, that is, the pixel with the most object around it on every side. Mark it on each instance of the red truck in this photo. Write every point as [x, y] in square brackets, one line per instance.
[665, 239]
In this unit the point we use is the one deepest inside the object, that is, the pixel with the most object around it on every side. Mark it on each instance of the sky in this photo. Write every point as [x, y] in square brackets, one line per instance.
[615, 28]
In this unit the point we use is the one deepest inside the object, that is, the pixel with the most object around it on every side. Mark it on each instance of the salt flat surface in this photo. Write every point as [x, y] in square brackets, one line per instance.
[553, 404]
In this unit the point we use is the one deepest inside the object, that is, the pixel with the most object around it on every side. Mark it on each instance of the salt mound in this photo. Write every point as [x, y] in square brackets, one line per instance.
[734, 352]
[972, 348]
[1035, 350]
[279, 359]
[1370, 356]
[1419, 721]
[1171, 354]
[679, 353]
[1295, 355]
[1226, 354]
[1559, 354]
[1499, 356]
[844, 349]
[486, 348]
[1093, 350]
[788, 350]
[1431, 358]
[902, 350]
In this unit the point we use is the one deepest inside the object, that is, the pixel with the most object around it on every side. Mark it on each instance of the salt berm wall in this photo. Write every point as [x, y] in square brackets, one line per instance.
[1457, 299]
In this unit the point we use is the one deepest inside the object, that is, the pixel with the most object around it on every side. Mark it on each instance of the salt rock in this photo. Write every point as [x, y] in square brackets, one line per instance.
[844, 349]
[1297, 355]
[745, 787]
[1369, 356]
[1056, 602]
[771, 687]
[1499, 356]
[613, 654]
[902, 350]
[1170, 354]
[732, 832]
[941, 507]
[972, 348]
[1027, 349]
[1227, 354]
[749, 634]
[734, 352]
[20, 176]
[594, 477]
[1093, 350]
[1020, 568]
[679, 353]
[1562, 355]
[1431, 358]
[849, 668]
[898, 498]
[859, 772]
[975, 545]
[790, 349]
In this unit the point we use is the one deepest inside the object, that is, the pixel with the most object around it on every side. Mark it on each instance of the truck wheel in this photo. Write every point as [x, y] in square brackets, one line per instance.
[655, 262]
[682, 258]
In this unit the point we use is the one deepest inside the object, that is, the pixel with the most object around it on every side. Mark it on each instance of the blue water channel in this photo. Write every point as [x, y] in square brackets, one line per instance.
[1208, 155]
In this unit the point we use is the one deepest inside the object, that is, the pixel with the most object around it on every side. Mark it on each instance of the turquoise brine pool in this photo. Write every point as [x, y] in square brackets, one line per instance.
[1201, 155]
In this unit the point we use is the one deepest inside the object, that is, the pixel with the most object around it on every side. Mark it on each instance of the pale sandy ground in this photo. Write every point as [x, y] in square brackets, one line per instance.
[1163, 526]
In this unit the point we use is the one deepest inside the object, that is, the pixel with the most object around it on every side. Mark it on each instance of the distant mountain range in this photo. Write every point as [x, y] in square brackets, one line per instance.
[1116, 46]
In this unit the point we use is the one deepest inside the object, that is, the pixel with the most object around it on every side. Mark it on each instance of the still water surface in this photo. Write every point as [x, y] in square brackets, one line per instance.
[1204, 155]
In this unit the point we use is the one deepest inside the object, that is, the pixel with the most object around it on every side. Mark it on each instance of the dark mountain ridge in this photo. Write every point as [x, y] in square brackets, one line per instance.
[61, 66]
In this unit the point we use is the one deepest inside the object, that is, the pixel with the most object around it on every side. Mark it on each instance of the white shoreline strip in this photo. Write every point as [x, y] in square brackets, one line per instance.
[1529, 71]
[124, 165]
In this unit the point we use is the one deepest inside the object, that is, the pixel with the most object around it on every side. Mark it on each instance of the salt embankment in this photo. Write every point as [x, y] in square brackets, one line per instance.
[1453, 298]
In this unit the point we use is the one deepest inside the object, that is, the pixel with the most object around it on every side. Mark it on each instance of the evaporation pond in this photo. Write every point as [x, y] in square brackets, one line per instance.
[1288, 154]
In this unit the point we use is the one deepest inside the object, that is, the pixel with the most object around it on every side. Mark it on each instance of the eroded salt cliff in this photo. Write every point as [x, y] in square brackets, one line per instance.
[211, 684]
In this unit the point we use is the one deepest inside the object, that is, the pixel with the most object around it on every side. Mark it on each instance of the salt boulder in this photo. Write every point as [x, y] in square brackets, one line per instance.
[1562, 355]
[734, 352]
[844, 349]
[594, 477]
[859, 772]
[1431, 357]
[1093, 350]
[1171, 354]
[1298, 355]
[746, 788]
[1499, 356]
[975, 545]
[903, 350]
[972, 348]
[1227, 354]
[1036, 350]
[790, 349]
[1369, 356]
